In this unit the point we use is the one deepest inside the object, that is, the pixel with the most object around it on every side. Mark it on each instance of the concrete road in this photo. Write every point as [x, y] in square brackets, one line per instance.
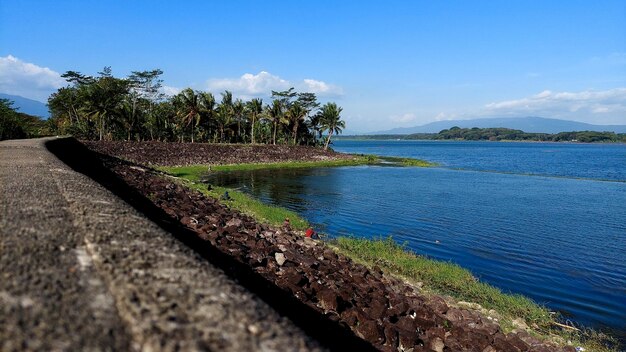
[82, 270]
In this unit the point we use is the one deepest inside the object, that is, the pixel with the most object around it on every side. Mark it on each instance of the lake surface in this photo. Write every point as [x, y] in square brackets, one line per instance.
[558, 236]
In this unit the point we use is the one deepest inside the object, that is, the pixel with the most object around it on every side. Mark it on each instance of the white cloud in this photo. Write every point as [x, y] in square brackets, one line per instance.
[404, 118]
[442, 116]
[249, 84]
[564, 104]
[28, 80]
[321, 88]
[262, 84]
[167, 90]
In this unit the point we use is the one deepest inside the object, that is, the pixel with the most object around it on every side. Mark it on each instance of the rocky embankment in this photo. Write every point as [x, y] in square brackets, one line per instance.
[386, 312]
[178, 154]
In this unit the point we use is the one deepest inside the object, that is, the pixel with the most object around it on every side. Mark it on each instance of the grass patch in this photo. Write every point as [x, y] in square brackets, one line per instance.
[407, 161]
[360, 160]
[196, 171]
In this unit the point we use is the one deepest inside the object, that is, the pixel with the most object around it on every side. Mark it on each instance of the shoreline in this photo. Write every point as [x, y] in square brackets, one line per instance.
[347, 138]
[256, 166]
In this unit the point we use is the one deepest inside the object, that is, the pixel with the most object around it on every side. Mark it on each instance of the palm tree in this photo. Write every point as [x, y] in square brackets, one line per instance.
[207, 111]
[225, 112]
[330, 120]
[238, 113]
[103, 99]
[255, 108]
[295, 115]
[187, 109]
[275, 113]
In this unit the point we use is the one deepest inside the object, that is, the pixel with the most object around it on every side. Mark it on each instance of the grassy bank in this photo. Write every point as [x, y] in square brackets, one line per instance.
[194, 172]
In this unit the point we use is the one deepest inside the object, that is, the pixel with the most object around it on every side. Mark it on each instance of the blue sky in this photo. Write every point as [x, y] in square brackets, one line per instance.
[388, 64]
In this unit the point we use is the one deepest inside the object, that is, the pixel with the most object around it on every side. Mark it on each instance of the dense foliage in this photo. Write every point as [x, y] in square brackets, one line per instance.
[14, 124]
[497, 134]
[506, 134]
[133, 108]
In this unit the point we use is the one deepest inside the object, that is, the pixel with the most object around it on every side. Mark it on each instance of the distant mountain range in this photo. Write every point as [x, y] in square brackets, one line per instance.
[28, 106]
[526, 124]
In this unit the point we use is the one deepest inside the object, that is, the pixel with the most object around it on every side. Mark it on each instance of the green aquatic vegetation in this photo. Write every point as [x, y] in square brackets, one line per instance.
[407, 161]
[195, 172]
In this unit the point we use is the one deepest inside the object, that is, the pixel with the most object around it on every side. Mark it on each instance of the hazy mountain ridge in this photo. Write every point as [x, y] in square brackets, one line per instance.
[526, 124]
[28, 106]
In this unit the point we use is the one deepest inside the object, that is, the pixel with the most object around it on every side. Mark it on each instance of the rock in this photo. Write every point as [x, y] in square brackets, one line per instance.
[370, 331]
[454, 315]
[377, 308]
[280, 258]
[309, 242]
[350, 317]
[438, 305]
[328, 300]
[520, 323]
[517, 342]
[501, 344]
[469, 305]
[407, 323]
[436, 344]
[407, 340]
[234, 222]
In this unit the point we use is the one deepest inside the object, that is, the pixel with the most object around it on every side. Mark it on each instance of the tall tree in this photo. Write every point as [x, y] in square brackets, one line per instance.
[295, 115]
[225, 113]
[255, 108]
[285, 97]
[207, 112]
[103, 98]
[276, 115]
[239, 116]
[10, 126]
[188, 110]
[308, 101]
[144, 87]
[330, 120]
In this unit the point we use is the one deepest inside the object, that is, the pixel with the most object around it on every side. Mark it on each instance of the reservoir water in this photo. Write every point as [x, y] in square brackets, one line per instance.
[545, 220]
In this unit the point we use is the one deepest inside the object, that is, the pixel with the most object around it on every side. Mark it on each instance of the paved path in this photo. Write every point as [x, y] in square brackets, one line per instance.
[82, 270]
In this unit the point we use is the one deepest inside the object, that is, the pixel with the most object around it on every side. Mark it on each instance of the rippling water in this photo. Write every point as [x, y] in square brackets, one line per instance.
[559, 238]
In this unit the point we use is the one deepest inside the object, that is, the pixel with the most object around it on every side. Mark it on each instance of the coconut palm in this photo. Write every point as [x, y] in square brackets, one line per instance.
[255, 108]
[330, 120]
[225, 113]
[207, 111]
[296, 115]
[187, 110]
[239, 116]
[275, 114]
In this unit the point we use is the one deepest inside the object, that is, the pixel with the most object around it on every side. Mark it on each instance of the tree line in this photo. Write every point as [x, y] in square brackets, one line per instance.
[105, 107]
[505, 134]
[16, 125]
[498, 134]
